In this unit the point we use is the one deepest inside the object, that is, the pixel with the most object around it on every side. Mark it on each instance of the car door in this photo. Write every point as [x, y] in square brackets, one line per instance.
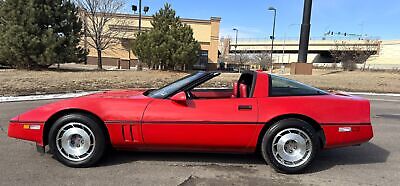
[214, 124]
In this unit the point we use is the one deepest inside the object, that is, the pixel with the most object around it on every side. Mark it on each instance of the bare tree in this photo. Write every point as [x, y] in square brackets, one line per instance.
[243, 59]
[97, 15]
[263, 59]
[349, 55]
[372, 48]
[240, 60]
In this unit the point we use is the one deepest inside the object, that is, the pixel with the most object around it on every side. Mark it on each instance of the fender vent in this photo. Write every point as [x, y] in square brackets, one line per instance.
[127, 133]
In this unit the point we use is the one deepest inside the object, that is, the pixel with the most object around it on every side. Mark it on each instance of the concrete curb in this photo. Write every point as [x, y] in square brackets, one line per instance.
[374, 94]
[43, 97]
[73, 95]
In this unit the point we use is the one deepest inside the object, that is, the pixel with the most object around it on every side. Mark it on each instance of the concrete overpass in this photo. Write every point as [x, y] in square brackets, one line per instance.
[292, 46]
[386, 52]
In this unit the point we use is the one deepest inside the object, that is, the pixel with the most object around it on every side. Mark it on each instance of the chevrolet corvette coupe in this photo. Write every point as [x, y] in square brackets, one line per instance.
[286, 121]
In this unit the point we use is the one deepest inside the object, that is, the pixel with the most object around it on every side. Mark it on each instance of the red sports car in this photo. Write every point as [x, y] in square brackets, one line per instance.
[287, 121]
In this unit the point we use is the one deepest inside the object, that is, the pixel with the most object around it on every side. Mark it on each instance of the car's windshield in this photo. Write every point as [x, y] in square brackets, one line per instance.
[175, 86]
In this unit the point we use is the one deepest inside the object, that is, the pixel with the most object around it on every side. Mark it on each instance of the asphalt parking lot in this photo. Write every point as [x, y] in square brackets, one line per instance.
[373, 163]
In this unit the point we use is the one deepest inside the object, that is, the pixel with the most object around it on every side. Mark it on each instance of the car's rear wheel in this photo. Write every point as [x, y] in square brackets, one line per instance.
[77, 140]
[290, 145]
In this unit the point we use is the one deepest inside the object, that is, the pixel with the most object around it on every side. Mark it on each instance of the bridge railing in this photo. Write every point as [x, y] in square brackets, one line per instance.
[317, 38]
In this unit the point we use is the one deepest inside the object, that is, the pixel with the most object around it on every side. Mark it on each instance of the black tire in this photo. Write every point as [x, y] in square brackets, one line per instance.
[282, 126]
[88, 124]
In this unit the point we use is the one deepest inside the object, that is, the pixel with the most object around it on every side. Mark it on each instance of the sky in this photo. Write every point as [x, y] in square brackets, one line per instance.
[376, 18]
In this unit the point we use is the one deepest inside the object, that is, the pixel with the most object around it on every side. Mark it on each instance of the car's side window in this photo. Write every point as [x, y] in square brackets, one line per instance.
[280, 86]
[243, 89]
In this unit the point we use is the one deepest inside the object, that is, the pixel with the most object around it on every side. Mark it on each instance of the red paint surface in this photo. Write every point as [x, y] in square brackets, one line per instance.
[359, 134]
[200, 124]
[227, 93]
[16, 130]
[212, 123]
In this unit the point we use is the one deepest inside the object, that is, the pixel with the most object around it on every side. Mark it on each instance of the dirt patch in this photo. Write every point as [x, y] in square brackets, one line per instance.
[18, 82]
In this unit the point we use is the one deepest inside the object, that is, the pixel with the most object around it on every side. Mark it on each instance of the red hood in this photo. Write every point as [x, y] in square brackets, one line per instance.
[119, 94]
[107, 105]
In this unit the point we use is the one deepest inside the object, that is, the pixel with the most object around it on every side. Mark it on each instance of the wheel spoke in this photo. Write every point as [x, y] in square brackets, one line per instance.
[291, 147]
[75, 141]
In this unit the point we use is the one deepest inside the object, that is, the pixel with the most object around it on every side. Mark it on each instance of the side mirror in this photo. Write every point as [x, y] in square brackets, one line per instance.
[179, 98]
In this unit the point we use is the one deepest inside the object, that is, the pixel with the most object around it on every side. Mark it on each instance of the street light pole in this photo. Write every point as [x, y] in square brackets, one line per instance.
[273, 36]
[140, 16]
[146, 9]
[236, 40]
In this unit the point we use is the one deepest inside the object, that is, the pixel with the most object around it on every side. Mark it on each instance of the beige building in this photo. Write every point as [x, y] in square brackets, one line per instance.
[206, 32]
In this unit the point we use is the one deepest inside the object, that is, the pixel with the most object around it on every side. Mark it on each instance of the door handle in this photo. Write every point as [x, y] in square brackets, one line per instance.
[245, 107]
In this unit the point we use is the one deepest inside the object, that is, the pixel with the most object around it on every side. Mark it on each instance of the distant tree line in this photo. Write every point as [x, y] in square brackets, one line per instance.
[261, 59]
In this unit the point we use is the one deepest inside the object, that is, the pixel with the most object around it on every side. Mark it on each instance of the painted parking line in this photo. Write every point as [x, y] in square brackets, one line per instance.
[374, 94]
[387, 100]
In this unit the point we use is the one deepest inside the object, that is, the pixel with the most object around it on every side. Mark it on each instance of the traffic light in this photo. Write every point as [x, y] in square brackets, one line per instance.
[134, 8]
[328, 33]
[146, 9]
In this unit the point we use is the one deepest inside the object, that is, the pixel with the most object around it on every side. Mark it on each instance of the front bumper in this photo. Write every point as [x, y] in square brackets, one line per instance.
[346, 135]
[31, 131]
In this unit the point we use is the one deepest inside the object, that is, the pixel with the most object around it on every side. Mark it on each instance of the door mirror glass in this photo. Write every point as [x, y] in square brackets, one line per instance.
[179, 97]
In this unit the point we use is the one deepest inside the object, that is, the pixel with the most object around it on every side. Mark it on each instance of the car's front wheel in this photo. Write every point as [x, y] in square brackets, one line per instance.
[290, 145]
[76, 140]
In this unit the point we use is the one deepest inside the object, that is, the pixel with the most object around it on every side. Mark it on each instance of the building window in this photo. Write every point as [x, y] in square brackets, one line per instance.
[203, 61]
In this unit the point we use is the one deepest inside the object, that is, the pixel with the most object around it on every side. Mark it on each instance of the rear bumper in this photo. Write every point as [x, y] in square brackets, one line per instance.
[30, 131]
[346, 135]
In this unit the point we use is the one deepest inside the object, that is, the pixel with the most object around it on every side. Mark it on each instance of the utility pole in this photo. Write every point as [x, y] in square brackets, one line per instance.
[305, 32]
[85, 28]
[273, 37]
